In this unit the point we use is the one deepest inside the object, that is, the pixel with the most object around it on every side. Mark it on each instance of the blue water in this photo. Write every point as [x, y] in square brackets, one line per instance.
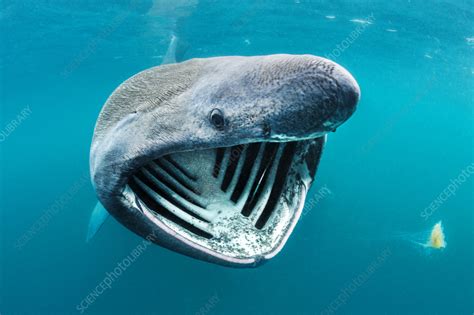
[412, 134]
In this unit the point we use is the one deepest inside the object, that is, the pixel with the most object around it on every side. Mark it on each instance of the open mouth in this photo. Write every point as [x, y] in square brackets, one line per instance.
[239, 202]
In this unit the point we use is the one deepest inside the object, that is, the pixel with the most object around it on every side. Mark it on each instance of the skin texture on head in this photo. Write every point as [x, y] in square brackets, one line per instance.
[277, 97]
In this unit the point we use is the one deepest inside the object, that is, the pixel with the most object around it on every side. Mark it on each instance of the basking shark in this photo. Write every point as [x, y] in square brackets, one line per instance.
[213, 157]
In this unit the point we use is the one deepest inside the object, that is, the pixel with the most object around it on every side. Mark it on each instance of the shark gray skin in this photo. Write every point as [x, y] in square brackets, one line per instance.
[213, 157]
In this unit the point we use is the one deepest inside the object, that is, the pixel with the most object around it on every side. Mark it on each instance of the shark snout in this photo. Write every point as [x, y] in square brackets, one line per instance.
[314, 101]
[348, 92]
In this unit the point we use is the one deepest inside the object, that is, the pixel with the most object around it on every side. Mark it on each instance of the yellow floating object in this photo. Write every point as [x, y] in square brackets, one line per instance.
[437, 237]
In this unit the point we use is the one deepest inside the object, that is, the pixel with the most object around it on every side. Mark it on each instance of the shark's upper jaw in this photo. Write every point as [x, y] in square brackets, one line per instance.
[236, 205]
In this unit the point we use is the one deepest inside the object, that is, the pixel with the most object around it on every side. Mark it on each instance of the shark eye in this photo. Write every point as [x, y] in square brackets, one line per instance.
[217, 119]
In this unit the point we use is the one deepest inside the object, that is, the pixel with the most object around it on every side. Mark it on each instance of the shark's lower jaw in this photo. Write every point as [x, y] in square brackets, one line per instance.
[235, 205]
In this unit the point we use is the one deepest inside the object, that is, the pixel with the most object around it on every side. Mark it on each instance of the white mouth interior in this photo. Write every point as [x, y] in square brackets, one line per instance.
[228, 200]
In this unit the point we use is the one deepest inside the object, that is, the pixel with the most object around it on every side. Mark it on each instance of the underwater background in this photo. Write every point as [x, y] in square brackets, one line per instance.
[402, 163]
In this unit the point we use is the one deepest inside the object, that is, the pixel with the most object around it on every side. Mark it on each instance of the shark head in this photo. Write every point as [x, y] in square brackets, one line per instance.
[213, 158]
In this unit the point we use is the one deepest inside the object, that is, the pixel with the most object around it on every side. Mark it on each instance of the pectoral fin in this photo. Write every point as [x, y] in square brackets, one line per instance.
[98, 217]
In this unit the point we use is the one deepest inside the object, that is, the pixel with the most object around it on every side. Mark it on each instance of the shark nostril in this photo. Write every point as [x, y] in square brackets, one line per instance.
[266, 129]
